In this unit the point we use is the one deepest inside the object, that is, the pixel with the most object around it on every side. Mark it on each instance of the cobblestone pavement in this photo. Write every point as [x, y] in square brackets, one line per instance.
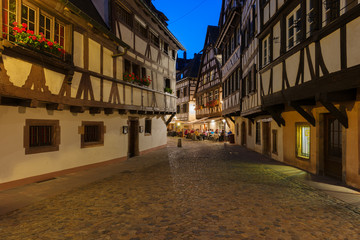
[203, 190]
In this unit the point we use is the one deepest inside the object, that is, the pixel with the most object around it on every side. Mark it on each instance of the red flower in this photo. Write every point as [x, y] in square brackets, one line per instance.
[41, 34]
[19, 30]
[16, 28]
[31, 32]
[23, 29]
[59, 49]
[15, 23]
[28, 31]
[50, 44]
[34, 38]
[24, 25]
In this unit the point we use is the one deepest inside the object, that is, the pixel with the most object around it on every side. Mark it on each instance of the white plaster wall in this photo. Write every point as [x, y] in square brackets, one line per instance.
[127, 95]
[277, 78]
[119, 68]
[94, 56]
[75, 84]
[272, 7]
[78, 54]
[108, 64]
[353, 43]
[292, 67]
[16, 165]
[266, 13]
[127, 35]
[137, 96]
[330, 49]
[158, 134]
[266, 81]
[106, 90]
[140, 45]
[276, 41]
[11, 65]
[54, 80]
[95, 83]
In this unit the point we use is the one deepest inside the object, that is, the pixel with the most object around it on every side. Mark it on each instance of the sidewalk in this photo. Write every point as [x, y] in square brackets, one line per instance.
[20, 197]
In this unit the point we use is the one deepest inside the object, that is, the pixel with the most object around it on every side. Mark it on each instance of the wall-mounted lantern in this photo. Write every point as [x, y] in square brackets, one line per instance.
[125, 129]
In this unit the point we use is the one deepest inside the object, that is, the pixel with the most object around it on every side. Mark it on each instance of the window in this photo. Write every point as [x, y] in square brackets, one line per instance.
[210, 96]
[293, 26]
[140, 27]
[60, 34]
[92, 134]
[28, 16]
[127, 66]
[173, 54]
[41, 136]
[216, 94]
[266, 50]
[178, 93]
[274, 141]
[147, 126]
[232, 44]
[8, 17]
[154, 39]
[124, 15]
[332, 10]
[258, 139]
[166, 48]
[310, 17]
[185, 110]
[178, 109]
[143, 72]
[185, 91]
[303, 140]
[45, 26]
[167, 83]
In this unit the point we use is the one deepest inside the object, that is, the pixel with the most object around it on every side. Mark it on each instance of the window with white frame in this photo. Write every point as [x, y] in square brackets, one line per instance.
[8, 17]
[293, 26]
[266, 50]
[310, 15]
[331, 10]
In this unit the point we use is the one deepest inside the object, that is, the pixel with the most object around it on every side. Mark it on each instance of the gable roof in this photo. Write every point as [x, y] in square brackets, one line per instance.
[212, 35]
[87, 7]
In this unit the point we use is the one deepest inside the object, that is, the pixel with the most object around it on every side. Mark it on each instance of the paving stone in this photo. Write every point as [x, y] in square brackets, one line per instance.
[203, 190]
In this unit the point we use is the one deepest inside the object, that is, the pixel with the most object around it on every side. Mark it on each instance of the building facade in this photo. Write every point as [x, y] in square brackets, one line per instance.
[209, 89]
[87, 82]
[309, 76]
[185, 92]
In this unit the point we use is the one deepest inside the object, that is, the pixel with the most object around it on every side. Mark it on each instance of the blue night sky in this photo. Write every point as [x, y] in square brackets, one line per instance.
[188, 20]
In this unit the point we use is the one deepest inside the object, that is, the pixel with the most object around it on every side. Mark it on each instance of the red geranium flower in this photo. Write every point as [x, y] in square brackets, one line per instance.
[14, 23]
[24, 25]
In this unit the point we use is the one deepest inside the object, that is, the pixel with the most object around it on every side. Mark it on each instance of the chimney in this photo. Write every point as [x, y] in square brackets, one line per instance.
[184, 56]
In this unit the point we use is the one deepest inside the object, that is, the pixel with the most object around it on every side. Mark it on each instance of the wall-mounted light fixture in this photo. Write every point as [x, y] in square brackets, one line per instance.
[125, 129]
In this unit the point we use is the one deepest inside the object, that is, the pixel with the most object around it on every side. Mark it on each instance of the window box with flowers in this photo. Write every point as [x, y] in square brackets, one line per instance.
[168, 90]
[132, 78]
[26, 38]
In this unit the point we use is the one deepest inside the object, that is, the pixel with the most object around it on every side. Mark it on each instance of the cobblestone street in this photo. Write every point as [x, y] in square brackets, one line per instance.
[203, 190]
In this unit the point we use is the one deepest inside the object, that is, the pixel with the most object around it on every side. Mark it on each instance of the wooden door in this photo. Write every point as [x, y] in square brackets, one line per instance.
[133, 137]
[243, 133]
[266, 138]
[333, 147]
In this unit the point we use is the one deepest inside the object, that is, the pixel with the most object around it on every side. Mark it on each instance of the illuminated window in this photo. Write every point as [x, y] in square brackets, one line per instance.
[60, 34]
[303, 140]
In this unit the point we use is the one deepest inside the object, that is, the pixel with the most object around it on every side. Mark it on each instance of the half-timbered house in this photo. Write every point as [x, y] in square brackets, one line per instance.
[209, 90]
[309, 75]
[185, 90]
[82, 83]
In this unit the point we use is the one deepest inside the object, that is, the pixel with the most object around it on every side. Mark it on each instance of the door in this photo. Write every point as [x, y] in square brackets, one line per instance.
[133, 137]
[266, 137]
[243, 133]
[333, 147]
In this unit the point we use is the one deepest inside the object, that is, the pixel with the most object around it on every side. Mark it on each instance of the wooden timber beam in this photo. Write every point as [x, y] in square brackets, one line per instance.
[133, 111]
[340, 116]
[94, 110]
[275, 113]
[170, 118]
[55, 106]
[77, 109]
[228, 116]
[108, 111]
[309, 117]
[123, 111]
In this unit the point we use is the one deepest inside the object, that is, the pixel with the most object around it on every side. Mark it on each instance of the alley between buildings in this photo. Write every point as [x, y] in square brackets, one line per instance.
[204, 190]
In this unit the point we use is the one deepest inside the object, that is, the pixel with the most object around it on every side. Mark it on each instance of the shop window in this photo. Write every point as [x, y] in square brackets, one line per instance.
[303, 140]
[92, 134]
[274, 141]
[147, 126]
[258, 132]
[41, 136]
